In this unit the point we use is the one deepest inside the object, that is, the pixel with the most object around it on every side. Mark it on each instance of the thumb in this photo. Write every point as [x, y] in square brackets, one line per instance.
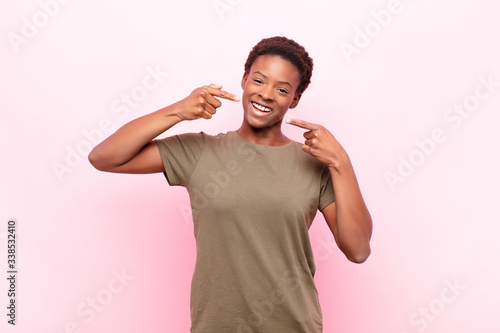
[215, 86]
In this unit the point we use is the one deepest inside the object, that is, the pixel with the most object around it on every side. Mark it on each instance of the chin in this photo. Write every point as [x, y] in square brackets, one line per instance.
[255, 123]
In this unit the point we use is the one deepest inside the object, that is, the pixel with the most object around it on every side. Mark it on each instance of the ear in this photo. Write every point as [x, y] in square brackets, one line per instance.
[295, 101]
[244, 80]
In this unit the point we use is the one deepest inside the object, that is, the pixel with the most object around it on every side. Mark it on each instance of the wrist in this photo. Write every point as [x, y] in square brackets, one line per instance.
[340, 163]
[172, 113]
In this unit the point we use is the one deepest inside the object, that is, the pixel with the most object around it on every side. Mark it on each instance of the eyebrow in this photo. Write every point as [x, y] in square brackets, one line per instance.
[282, 82]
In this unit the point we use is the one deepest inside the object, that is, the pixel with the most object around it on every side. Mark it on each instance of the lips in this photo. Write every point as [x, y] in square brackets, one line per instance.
[261, 107]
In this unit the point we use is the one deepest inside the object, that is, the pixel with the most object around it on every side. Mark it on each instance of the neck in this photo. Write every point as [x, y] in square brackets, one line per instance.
[269, 136]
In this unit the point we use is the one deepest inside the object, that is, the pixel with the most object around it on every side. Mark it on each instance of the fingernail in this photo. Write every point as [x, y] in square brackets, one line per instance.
[288, 120]
[237, 98]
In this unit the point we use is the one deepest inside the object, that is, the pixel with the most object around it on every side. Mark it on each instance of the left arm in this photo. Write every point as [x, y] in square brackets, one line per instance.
[348, 217]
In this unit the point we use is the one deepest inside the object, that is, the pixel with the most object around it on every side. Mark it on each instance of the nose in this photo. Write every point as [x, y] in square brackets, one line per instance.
[266, 92]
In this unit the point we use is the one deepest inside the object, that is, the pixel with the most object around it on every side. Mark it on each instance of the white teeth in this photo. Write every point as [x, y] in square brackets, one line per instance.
[261, 108]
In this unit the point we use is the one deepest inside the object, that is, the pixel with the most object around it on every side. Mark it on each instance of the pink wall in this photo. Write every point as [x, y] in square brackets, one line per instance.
[410, 88]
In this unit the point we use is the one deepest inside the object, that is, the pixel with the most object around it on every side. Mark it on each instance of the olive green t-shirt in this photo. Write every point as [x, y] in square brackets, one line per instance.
[252, 208]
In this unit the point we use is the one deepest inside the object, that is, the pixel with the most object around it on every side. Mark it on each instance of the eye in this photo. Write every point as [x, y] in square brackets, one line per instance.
[259, 81]
[283, 90]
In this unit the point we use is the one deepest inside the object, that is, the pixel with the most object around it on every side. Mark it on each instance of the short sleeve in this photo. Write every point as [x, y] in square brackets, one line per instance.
[180, 155]
[327, 195]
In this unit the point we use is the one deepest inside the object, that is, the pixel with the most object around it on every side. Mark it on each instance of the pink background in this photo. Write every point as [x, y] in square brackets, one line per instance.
[435, 252]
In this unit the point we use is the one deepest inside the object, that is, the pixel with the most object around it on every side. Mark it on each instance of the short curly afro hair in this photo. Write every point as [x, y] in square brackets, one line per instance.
[288, 50]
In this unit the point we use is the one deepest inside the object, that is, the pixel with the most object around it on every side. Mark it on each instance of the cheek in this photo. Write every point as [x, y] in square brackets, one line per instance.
[286, 102]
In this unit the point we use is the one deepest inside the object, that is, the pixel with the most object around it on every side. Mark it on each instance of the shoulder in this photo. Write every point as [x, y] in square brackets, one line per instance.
[190, 137]
[193, 139]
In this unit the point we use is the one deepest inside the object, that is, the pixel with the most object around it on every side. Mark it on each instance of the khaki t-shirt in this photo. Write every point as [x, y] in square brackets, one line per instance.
[252, 208]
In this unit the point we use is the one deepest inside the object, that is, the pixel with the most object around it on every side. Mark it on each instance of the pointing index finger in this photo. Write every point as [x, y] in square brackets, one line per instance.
[302, 124]
[223, 94]
[229, 96]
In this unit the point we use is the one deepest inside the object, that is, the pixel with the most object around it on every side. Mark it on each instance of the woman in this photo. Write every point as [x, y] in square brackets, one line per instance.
[254, 194]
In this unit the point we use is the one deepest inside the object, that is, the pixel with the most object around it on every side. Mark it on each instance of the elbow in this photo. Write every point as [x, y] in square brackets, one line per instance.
[96, 161]
[360, 255]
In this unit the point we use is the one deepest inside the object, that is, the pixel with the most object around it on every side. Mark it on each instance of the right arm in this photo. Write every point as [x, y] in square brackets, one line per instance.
[131, 148]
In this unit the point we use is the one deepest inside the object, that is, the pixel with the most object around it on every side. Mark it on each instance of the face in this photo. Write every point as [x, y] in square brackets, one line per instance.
[269, 90]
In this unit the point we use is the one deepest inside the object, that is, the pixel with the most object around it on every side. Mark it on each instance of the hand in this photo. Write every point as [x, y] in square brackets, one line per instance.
[321, 144]
[201, 103]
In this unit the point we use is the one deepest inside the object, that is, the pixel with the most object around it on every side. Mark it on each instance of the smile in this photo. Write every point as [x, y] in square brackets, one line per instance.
[261, 107]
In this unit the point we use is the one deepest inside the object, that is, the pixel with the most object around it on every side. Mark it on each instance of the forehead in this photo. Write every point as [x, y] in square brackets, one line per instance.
[276, 67]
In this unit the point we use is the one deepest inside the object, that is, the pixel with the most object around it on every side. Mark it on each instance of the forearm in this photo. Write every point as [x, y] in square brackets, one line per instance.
[354, 223]
[128, 140]
[348, 219]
